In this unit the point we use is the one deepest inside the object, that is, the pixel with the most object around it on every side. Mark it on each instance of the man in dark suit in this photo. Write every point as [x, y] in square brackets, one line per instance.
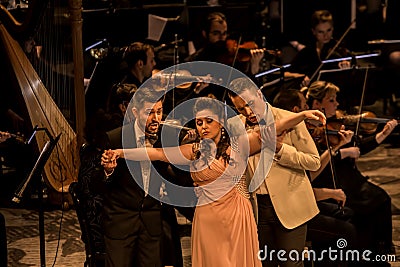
[132, 210]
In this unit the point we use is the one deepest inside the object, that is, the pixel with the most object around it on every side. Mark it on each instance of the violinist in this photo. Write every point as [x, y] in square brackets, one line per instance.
[216, 48]
[370, 203]
[329, 224]
[308, 59]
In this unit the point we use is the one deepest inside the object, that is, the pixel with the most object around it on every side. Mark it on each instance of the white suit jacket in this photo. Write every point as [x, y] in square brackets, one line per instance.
[287, 183]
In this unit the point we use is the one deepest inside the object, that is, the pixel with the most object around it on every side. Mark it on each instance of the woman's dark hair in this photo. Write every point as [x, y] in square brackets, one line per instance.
[217, 108]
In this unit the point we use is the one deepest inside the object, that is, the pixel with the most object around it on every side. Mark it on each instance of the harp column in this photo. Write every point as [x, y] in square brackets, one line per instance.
[75, 7]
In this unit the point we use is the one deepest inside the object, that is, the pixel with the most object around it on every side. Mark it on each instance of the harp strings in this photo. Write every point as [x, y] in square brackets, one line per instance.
[55, 57]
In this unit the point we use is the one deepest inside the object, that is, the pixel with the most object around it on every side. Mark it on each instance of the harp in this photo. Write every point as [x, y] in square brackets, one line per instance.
[52, 92]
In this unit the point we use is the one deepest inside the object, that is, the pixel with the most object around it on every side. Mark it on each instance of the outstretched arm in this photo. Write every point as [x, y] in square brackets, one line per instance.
[269, 136]
[387, 130]
[176, 155]
[295, 118]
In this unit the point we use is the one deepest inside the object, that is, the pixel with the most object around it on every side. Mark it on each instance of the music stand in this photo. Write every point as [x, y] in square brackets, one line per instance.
[34, 174]
[351, 83]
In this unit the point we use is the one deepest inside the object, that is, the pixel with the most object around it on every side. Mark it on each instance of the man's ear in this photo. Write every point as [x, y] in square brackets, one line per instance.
[295, 109]
[203, 32]
[122, 108]
[140, 63]
[260, 94]
[135, 112]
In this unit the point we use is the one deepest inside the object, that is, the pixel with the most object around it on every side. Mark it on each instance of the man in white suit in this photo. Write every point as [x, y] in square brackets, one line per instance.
[284, 201]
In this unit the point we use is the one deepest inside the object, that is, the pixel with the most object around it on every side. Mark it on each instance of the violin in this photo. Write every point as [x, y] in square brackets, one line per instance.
[368, 121]
[184, 79]
[242, 52]
[320, 132]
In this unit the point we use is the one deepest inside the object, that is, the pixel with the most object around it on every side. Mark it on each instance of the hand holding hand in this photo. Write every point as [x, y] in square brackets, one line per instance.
[109, 160]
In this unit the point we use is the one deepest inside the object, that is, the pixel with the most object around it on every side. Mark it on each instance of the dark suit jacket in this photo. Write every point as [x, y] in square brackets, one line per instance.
[125, 201]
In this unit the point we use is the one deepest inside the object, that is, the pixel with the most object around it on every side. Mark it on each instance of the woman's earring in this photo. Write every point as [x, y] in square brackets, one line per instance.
[222, 133]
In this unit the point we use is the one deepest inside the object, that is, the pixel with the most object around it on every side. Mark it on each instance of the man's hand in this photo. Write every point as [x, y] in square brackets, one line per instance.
[314, 115]
[256, 57]
[4, 136]
[345, 136]
[189, 137]
[109, 160]
[339, 196]
[279, 141]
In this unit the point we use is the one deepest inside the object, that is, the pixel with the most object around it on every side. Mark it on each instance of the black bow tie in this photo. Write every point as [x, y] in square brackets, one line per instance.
[250, 124]
[151, 138]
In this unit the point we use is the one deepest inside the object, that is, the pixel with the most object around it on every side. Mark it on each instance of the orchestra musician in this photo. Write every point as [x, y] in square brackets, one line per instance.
[370, 203]
[330, 223]
[309, 59]
[216, 48]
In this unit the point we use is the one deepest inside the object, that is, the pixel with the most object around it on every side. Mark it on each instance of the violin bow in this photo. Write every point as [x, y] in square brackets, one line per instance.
[230, 72]
[332, 50]
[355, 143]
[332, 163]
[361, 103]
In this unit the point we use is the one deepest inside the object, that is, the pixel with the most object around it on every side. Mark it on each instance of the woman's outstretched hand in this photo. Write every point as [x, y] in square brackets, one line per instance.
[314, 115]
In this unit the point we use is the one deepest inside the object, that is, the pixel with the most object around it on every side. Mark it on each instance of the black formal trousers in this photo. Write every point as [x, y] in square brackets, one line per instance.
[132, 219]
[272, 235]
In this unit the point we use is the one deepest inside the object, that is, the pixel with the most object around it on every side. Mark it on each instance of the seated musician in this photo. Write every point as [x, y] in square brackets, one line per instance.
[308, 59]
[331, 223]
[215, 49]
[370, 203]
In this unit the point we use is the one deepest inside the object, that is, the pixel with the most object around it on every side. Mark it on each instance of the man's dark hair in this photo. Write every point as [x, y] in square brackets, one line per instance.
[240, 85]
[135, 52]
[147, 94]
[121, 93]
[287, 99]
[212, 17]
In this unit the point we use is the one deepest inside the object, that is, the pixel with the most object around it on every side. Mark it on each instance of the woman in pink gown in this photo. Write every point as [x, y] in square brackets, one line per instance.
[224, 231]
